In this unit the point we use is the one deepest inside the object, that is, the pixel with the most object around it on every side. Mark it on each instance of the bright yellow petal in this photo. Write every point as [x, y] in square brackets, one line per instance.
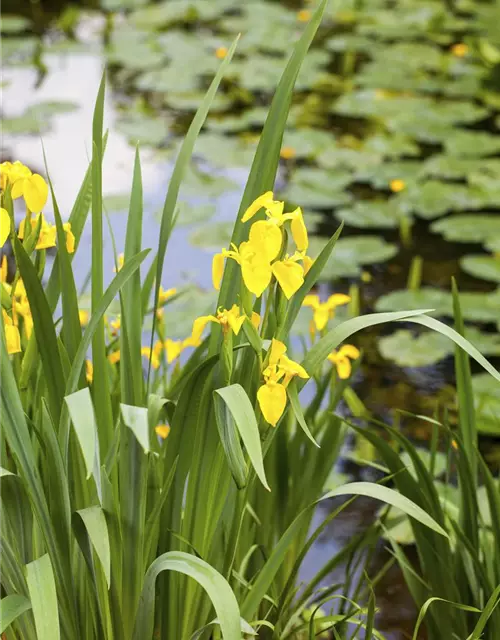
[4, 269]
[299, 231]
[114, 357]
[292, 368]
[198, 325]
[12, 338]
[321, 315]
[255, 320]
[47, 237]
[35, 191]
[307, 263]
[83, 315]
[336, 300]
[256, 276]
[217, 270]
[262, 201]
[4, 226]
[165, 295]
[89, 371]
[162, 430]
[173, 349]
[267, 238]
[70, 238]
[277, 351]
[349, 351]
[17, 189]
[343, 367]
[272, 401]
[311, 300]
[290, 276]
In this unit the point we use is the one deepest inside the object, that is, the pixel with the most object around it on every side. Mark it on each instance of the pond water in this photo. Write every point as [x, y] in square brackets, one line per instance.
[407, 157]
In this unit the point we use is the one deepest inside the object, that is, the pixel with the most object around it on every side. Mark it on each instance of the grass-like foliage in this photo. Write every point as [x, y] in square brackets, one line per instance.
[142, 497]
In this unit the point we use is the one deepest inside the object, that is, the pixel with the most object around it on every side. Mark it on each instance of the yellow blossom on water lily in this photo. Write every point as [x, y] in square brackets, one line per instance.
[83, 316]
[162, 430]
[397, 185]
[231, 320]
[12, 337]
[114, 357]
[287, 153]
[221, 53]
[89, 371]
[342, 360]
[4, 226]
[460, 50]
[277, 374]
[304, 15]
[323, 311]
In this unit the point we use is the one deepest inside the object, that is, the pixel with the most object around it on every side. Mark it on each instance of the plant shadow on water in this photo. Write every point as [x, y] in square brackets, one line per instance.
[370, 130]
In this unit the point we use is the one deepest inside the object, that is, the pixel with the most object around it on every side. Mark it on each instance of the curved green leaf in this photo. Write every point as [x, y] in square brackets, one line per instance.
[219, 591]
[11, 607]
[42, 590]
[97, 530]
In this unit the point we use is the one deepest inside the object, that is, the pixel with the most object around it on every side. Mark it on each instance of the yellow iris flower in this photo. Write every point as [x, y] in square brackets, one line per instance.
[173, 349]
[323, 311]
[276, 217]
[24, 183]
[342, 360]
[12, 337]
[4, 226]
[48, 234]
[231, 320]
[162, 430]
[271, 396]
[83, 316]
[89, 371]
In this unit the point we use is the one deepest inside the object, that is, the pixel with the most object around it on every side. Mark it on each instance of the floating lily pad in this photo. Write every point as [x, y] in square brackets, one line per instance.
[433, 199]
[117, 202]
[188, 213]
[36, 119]
[198, 183]
[247, 120]
[14, 24]
[371, 214]
[190, 101]
[409, 350]
[391, 145]
[351, 253]
[18, 50]
[468, 227]
[117, 5]
[472, 143]
[308, 142]
[453, 168]
[225, 151]
[213, 236]
[487, 403]
[144, 128]
[482, 267]
[409, 171]
[342, 158]
[318, 189]
[159, 16]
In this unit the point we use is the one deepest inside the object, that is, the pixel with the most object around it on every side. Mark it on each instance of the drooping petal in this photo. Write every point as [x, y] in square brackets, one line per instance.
[165, 295]
[12, 338]
[267, 238]
[47, 237]
[299, 231]
[274, 210]
[290, 276]
[4, 226]
[4, 269]
[307, 263]
[173, 348]
[198, 325]
[236, 323]
[35, 191]
[277, 351]
[337, 299]
[70, 238]
[17, 189]
[162, 430]
[311, 300]
[255, 319]
[217, 270]
[272, 401]
[256, 275]
[262, 201]
[343, 367]
[321, 315]
[89, 371]
[349, 351]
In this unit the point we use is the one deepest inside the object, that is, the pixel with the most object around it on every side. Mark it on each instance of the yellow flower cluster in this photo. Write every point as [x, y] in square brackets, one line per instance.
[33, 188]
[258, 256]
[277, 372]
[20, 309]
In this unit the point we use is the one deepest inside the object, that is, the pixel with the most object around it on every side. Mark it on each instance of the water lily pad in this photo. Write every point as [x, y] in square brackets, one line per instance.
[36, 119]
[225, 151]
[117, 5]
[351, 253]
[472, 143]
[308, 142]
[189, 213]
[454, 168]
[381, 176]
[14, 24]
[341, 158]
[249, 119]
[433, 199]
[487, 403]
[133, 49]
[144, 128]
[317, 188]
[190, 101]
[117, 202]
[371, 214]
[468, 227]
[391, 145]
[159, 16]
[482, 267]
[409, 350]
[198, 183]
[212, 236]
[18, 50]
